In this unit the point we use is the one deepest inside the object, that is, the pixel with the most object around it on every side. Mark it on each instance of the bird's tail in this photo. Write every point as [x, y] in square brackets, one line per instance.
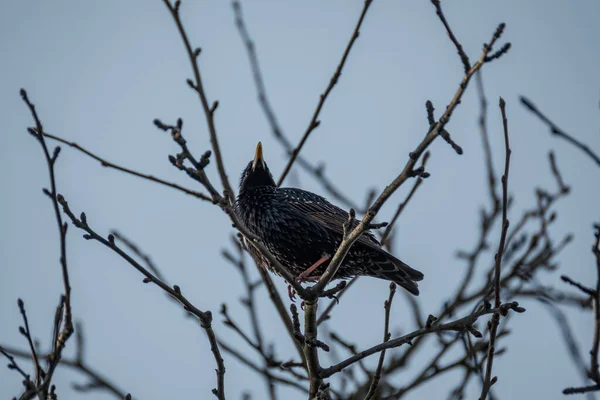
[390, 268]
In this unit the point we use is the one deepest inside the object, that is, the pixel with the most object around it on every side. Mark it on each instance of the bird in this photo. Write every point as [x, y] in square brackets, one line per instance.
[303, 230]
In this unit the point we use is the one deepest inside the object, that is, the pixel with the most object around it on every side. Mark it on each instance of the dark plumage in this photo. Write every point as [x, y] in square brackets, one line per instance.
[300, 227]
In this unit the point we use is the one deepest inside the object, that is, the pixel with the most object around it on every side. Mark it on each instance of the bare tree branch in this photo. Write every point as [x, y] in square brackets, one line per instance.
[406, 173]
[386, 337]
[317, 171]
[129, 171]
[262, 371]
[461, 53]
[555, 130]
[495, 321]
[464, 324]
[401, 206]
[204, 317]
[62, 330]
[197, 86]
[96, 378]
[594, 372]
[314, 122]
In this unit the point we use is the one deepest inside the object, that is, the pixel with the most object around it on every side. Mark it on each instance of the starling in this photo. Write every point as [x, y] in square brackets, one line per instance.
[303, 231]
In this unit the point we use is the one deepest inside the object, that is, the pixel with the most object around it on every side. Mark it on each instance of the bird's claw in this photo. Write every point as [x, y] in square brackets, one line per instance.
[292, 293]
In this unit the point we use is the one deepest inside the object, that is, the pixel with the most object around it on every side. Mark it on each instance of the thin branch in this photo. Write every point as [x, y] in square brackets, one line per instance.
[13, 365]
[197, 173]
[401, 206]
[311, 294]
[582, 389]
[325, 315]
[568, 337]
[197, 86]
[99, 381]
[108, 164]
[594, 367]
[204, 317]
[594, 372]
[65, 332]
[555, 130]
[487, 149]
[262, 371]
[559, 180]
[25, 331]
[351, 347]
[406, 173]
[315, 170]
[314, 122]
[488, 380]
[461, 53]
[540, 256]
[280, 307]
[386, 336]
[250, 304]
[138, 252]
[464, 324]
[584, 289]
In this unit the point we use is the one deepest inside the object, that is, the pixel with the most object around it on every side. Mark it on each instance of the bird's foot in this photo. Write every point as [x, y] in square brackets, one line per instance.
[292, 293]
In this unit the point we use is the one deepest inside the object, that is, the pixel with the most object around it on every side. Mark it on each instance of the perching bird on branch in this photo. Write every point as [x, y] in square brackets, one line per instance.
[303, 231]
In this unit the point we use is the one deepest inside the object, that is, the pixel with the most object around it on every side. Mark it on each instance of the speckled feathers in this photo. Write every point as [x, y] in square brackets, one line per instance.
[299, 227]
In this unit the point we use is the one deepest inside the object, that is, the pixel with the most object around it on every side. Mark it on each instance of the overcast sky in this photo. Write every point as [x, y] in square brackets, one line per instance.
[100, 72]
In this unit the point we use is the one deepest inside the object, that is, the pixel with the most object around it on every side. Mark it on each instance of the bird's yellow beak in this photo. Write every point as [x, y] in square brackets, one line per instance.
[258, 156]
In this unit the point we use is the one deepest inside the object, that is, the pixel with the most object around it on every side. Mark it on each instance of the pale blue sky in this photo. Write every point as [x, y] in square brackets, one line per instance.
[100, 72]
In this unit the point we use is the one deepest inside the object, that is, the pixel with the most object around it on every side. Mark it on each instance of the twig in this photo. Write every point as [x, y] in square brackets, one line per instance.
[25, 331]
[204, 317]
[584, 289]
[401, 206]
[314, 122]
[594, 367]
[315, 170]
[538, 255]
[325, 315]
[555, 130]
[568, 337]
[99, 381]
[461, 53]
[126, 170]
[386, 336]
[561, 183]
[582, 389]
[64, 332]
[13, 365]
[198, 173]
[594, 372]
[249, 302]
[488, 380]
[244, 360]
[351, 347]
[487, 150]
[464, 324]
[197, 86]
[429, 372]
[312, 293]
[280, 307]
[138, 252]
[406, 173]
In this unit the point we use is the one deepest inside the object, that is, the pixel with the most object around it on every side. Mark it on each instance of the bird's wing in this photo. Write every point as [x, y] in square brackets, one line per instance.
[321, 211]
